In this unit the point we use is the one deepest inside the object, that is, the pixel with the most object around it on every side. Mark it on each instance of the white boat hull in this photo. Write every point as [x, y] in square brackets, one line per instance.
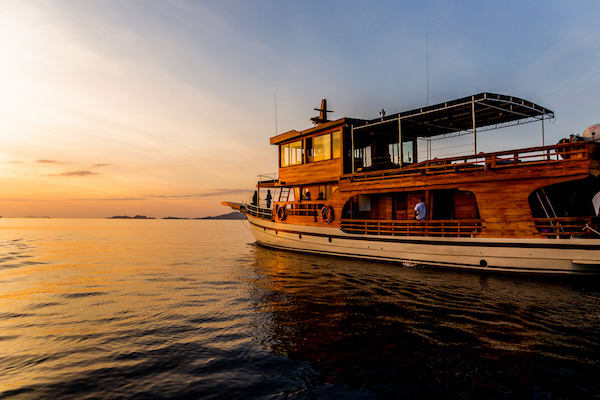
[537, 256]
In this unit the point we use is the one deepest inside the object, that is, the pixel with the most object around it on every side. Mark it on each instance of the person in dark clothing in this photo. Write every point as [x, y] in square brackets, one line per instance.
[269, 198]
[321, 196]
[255, 198]
[307, 195]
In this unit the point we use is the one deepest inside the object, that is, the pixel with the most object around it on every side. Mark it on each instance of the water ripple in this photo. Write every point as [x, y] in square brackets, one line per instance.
[106, 309]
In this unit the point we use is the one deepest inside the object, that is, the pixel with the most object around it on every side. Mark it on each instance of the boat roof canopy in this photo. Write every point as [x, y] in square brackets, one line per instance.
[294, 134]
[483, 111]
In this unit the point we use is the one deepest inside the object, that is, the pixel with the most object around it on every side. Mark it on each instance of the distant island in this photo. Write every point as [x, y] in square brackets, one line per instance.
[128, 217]
[231, 215]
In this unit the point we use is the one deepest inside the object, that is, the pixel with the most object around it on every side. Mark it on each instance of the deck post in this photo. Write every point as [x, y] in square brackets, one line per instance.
[352, 140]
[400, 141]
[543, 131]
[258, 193]
[474, 129]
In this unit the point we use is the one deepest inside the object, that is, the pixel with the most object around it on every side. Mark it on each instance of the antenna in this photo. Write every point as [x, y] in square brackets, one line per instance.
[322, 118]
[275, 92]
[427, 62]
[427, 75]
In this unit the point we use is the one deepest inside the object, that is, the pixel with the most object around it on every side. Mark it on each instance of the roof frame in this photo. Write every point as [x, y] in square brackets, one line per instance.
[510, 109]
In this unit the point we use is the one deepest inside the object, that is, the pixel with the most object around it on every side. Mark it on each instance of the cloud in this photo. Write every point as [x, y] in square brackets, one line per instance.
[215, 192]
[110, 199]
[99, 165]
[46, 161]
[75, 173]
[15, 162]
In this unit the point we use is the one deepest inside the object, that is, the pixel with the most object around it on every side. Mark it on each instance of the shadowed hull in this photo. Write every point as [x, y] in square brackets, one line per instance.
[532, 256]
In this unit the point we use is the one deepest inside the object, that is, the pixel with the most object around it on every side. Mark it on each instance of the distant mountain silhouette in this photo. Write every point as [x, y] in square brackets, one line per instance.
[231, 215]
[128, 217]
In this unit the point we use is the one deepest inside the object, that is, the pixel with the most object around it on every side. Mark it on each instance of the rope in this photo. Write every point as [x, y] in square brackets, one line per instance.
[591, 229]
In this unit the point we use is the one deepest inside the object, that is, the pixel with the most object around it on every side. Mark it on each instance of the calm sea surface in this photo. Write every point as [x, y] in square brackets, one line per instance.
[192, 309]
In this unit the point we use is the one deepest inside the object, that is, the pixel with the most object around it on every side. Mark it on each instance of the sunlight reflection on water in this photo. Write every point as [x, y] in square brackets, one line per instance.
[119, 308]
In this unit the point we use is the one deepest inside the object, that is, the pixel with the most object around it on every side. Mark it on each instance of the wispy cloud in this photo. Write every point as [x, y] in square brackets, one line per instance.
[215, 192]
[75, 173]
[46, 161]
[109, 199]
[99, 165]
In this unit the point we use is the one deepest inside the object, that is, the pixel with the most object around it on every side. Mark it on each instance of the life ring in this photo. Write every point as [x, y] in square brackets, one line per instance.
[327, 214]
[281, 213]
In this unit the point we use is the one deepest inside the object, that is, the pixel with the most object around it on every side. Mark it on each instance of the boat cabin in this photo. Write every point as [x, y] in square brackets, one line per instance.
[369, 175]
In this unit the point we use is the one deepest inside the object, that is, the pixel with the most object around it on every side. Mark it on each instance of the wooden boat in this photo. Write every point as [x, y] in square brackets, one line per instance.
[530, 210]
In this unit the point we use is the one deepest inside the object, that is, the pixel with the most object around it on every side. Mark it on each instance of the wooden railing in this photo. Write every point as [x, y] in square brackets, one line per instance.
[546, 155]
[301, 208]
[438, 228]
[253, 210]
[565, 227]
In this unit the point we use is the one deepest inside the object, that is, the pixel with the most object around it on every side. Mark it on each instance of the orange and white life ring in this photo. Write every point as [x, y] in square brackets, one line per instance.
[281, 213]
[327, 214]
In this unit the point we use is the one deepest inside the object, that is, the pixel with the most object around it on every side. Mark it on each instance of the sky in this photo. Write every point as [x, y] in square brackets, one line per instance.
[165, 108]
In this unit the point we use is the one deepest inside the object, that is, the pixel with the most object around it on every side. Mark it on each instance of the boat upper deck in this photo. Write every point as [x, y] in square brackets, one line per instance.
[561, 154]
[357, 149]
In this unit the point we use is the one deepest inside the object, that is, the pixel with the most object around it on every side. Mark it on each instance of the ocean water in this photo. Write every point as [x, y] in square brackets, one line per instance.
[94, 308]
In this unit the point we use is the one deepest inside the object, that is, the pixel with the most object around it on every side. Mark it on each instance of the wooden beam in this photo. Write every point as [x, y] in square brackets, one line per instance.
[474, 127]
[400, 142]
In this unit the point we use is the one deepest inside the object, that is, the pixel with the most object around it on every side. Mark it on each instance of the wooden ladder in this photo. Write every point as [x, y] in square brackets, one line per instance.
[285, 191]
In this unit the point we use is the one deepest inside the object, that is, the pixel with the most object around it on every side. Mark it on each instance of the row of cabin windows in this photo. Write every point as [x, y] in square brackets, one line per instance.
[441, 205]
[318, 148]
[321, 192]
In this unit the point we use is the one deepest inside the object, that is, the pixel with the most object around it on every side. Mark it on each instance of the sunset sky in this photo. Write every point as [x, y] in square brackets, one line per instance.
[165, 108]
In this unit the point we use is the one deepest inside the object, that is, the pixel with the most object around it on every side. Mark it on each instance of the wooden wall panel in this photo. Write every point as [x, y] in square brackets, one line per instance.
[400, 207]
[316, 172]
[465, 205]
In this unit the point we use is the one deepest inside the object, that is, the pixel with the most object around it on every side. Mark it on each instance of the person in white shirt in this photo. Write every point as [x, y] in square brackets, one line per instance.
[421, 210]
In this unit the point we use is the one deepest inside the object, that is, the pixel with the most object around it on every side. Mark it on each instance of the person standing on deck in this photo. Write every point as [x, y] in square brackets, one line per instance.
[269, 198]
[421, 210]
[255, 198]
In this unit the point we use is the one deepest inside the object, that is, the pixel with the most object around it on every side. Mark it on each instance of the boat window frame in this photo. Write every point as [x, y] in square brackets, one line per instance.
[288, 146]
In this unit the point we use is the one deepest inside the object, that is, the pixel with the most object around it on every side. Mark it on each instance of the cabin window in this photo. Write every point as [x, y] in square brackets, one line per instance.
[326, 191]
[364, 202]
[336, 144]
[291, 153]
[322, 195]
[362, 158]
[331, 189]
[321, 146]
[284, 152]
[394, 153]
[442, 204]
[407, 152]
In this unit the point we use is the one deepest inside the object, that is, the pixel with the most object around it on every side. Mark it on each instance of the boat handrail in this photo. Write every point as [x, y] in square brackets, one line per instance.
[411, 227]
[542, 155]
[563, 227]
[302, 202]
[256, 211]
[271, 177]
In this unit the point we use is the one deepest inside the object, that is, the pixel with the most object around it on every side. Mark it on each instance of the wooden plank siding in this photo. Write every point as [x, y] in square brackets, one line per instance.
[311, 173]
[498, 196]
